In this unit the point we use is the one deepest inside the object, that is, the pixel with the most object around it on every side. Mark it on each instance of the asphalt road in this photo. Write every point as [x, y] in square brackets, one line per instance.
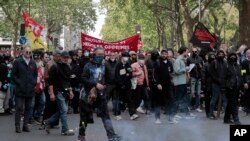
[142, 129]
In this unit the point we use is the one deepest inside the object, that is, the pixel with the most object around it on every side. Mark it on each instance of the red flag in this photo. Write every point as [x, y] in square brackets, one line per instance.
[35, 26]
[130, 43]
[203, 38]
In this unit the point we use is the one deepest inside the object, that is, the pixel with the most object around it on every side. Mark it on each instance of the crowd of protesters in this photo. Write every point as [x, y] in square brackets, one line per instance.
[39, 86]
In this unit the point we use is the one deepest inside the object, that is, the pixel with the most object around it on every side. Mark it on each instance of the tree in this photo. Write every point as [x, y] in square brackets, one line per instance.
[12, 10]
[244, 22]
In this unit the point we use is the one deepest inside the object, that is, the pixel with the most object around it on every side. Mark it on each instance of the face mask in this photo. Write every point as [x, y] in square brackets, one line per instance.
[154, 56]
[86, 54]
[112, 59]
[125, 59]
[233, 59]
[141, 62]
[98, 60]
[220, 58]
[194, 54]
[210, 60]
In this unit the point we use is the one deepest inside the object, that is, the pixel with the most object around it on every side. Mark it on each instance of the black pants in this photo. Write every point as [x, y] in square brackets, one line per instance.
[75, 101]
[50, 106]
[86, 115]
[141, 93]
[129, 97]
[112, 93]
[208, 95]
[232, 105]
[23, 105]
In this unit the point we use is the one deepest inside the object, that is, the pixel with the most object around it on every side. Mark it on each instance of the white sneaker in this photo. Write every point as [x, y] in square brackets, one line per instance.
[134, 116]
[1, 110]
[173, 121]
[118, 117]
[192, 115]
[157, 121]
[199, 110]
[140, 110]
[178, 117]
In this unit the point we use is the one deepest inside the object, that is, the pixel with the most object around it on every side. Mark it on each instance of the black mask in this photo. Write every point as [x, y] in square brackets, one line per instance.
[220, 58]
[232, 59]
[194, 54]
[154, 57]
[210, 60]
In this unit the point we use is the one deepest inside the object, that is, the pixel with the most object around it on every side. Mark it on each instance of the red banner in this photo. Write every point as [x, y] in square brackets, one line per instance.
[89, 42]
[34, 26]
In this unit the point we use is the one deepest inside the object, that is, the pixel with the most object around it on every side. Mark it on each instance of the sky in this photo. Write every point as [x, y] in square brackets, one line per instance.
[99, 23]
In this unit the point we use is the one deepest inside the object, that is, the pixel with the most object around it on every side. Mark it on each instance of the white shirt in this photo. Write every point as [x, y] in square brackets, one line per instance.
[26, 60]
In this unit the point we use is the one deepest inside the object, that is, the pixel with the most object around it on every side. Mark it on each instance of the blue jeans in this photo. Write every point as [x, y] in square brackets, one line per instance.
[196, 90]
[39, 104]
[216, 92]
[62, 104]
[181, 98]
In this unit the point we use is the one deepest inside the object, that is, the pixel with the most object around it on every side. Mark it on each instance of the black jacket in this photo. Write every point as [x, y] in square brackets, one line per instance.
[59, 77]
[110, 72]
[196, 71]
[76, 71]
[206, 77]
[218, 72]
[234, 78]
[122, 79]
[24, 77]
[162, 72]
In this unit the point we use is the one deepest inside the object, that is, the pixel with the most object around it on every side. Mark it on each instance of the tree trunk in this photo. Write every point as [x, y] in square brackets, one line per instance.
[189, 22]
[15, 36]
[244, 22]
[171, 43]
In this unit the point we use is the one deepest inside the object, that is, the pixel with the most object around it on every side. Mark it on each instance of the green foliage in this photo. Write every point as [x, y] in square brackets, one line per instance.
[124, 15]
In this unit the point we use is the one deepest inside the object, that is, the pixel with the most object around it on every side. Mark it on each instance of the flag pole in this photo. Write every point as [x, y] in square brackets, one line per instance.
[199, 10]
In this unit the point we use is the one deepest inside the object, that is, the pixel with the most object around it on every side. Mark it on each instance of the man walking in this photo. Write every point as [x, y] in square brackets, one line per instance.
[24, 75]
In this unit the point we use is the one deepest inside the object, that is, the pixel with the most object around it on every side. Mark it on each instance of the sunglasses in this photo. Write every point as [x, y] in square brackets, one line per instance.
[28, 52]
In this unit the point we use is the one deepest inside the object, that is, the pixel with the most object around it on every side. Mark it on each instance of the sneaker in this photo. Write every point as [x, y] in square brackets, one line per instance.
[191, 115]
[212, 116]
[140, 110]
[69, 132]
[178, 117]
[1, 110]
[173, 121]
[157, 121]
[198, 110]
[134, 116]
[118, 117]
[115, 138]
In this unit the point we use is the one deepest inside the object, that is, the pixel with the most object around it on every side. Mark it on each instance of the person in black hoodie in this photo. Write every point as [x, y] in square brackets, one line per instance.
[123, 75]
[75, 79]
[110, 66]
[163, 80]
[218, 75]
[150, 66]
[233, 86]
[207, 82]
